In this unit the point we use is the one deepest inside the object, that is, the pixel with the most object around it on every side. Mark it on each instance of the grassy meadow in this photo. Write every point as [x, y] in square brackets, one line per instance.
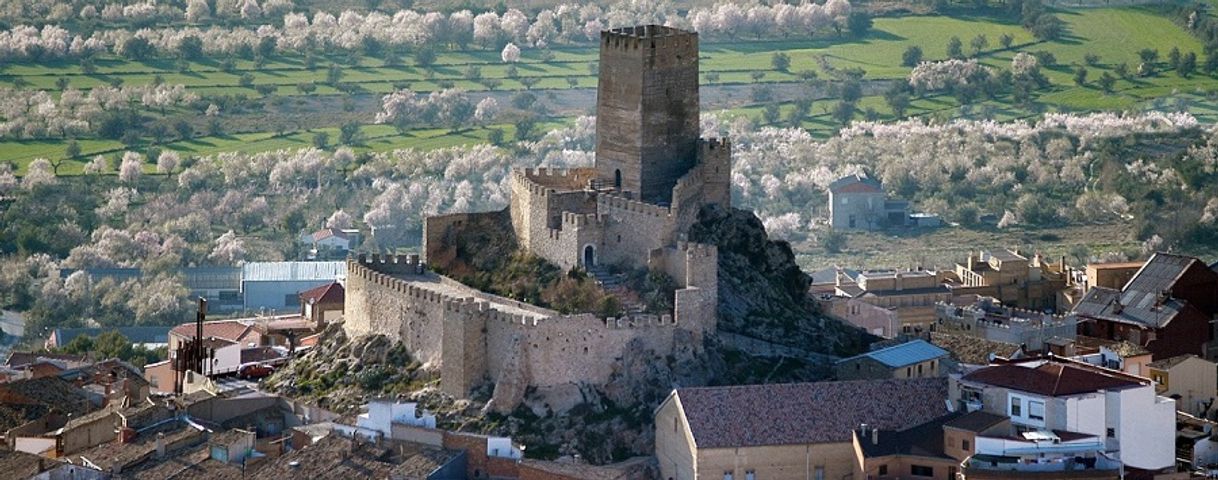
[1115, 35]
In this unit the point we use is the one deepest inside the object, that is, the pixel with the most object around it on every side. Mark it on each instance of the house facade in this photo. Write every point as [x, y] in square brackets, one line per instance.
[913, 359]
[858, 202]
[911, 294]
[1166, 307]
[1191, 380]
[1012, 278]
[1100, 414]
[788, 431]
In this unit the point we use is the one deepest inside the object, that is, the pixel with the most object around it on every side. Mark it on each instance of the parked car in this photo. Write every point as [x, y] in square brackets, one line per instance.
[256, 371]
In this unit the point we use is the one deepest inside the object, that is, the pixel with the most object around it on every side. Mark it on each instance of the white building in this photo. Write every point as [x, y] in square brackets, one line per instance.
[1064, 410]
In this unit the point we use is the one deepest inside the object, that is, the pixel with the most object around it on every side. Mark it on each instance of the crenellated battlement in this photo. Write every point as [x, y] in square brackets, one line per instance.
[641, 321]
[713, 146]
[653, 37]
[545, 180]
[570, 219]
[698, 250]
[608, 203]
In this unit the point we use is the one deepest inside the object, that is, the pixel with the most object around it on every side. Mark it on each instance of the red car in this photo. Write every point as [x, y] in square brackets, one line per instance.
[253, 372]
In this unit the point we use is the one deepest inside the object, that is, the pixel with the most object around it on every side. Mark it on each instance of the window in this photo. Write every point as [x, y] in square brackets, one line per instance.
[965, 445]
[291, 299]
[883, 469]
[951, 473]
[1036, 410]
[908, 371]
[727, 475]
[748, 475]
[1016, 407]
[919, 369]
[921, 471]
[1111, 433]
[820, 473]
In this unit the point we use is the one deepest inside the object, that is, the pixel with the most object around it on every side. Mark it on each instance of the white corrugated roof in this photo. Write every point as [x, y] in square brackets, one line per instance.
[288, 271]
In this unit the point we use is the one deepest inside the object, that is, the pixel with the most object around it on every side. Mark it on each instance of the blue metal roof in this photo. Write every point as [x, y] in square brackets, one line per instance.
[293, 271]
[907, 353]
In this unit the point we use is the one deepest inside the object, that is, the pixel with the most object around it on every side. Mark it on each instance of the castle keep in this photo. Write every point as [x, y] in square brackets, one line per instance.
[633, 209]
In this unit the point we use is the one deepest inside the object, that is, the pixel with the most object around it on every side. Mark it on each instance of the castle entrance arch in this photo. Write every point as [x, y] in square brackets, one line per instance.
[589, 256]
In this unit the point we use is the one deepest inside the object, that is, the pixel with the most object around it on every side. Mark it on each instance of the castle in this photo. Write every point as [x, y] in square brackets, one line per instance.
[633, 209]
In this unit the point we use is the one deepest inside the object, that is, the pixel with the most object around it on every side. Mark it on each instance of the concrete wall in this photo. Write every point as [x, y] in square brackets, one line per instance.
[87, 435]
[674, 441]
[779, 462]
[1195, 380]
[1146, 428]
[867, 210]
[274, 295]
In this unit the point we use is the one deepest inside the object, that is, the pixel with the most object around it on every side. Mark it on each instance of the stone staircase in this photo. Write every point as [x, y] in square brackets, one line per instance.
[615, 284]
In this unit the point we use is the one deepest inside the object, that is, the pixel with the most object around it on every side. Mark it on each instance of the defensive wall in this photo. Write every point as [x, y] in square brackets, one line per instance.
[473, 337]
[560, 225]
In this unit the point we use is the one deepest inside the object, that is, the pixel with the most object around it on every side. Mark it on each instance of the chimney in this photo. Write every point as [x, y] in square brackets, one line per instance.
[1061, 264]
[875, 436]
[970, 260]
[160, 445]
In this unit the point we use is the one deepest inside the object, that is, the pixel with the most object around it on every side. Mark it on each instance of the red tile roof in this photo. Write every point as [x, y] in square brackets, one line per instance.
[329, 293]
[806, 413]
[232, 330]
[1054, 378]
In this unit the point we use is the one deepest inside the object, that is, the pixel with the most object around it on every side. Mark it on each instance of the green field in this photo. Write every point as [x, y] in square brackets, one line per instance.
[1115, 35]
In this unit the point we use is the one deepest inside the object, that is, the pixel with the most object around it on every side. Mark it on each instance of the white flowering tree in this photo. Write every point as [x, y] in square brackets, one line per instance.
[510, 53]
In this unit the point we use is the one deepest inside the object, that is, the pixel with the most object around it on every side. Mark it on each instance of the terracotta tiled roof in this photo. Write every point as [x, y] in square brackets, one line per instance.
[806, 413]
[1169, 363]
[231, 330]
[973, 350]
[24, 400]
[328, 293]
[1053, 378]
[24, 465]
[327, 233]
[855, 184]
[976, 422]
[21, 359]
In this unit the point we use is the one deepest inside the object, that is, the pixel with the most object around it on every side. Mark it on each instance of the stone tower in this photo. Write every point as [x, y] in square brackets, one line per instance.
[647, 124]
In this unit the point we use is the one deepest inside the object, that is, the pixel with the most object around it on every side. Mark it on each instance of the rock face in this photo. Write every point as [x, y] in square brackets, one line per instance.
[762, 291]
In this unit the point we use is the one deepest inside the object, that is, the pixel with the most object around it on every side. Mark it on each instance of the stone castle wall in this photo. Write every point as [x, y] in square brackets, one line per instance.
[474, 337]
[539, 204]
[436, 249]
[382, 304]
[709, 182]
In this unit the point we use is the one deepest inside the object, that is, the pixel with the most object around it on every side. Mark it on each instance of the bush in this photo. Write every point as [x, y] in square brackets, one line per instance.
[321, 140]
[349, 134]
[833, 241]
[781, 61]
[912, 56]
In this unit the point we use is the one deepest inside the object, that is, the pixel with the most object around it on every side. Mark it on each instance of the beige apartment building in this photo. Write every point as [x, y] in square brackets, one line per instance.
[1191, 380]
[911, 295]
[1012, 278]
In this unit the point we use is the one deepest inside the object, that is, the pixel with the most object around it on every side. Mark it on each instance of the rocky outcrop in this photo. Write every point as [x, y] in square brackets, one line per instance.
[762, 291]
